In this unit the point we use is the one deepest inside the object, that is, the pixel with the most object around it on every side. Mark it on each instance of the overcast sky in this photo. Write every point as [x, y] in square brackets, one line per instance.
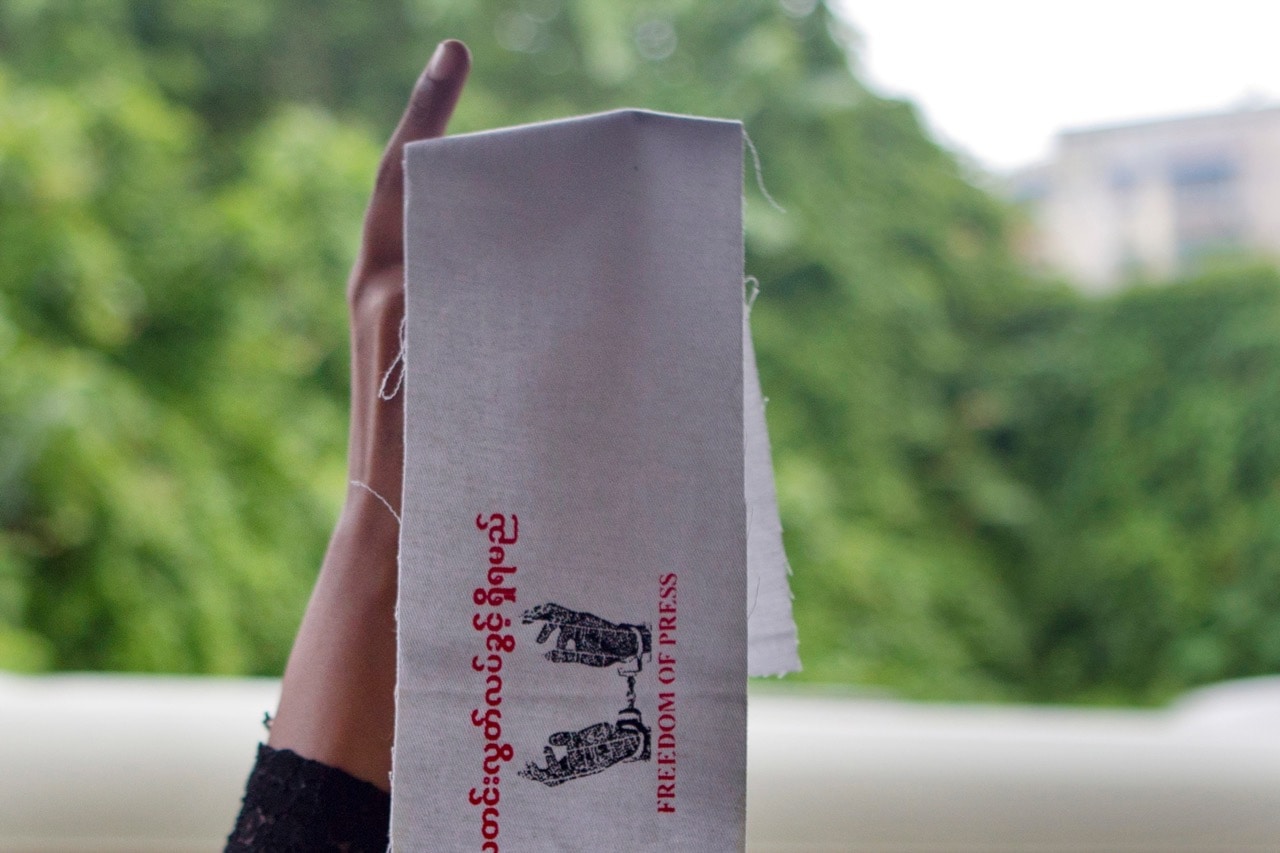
[998, 78]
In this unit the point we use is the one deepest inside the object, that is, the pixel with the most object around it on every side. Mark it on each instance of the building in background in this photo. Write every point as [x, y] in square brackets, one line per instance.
[1155, 199]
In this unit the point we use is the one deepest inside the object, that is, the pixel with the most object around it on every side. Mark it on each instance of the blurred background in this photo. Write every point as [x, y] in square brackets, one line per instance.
[1024, 399]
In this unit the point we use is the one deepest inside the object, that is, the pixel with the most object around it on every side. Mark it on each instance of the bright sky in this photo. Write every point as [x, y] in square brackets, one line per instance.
[998, 78]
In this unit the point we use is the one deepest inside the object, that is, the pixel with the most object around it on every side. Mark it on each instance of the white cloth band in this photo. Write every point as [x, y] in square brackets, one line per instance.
[575, 555]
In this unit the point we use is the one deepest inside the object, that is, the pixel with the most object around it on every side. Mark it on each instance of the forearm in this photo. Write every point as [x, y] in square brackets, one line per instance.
[337, 702]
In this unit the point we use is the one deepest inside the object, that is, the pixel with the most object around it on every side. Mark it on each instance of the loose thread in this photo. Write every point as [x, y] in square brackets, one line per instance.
[755, 159]
[398, 362]
[385, 502]
[751, 284]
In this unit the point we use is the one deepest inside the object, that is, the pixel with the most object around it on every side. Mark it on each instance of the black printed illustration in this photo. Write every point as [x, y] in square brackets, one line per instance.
[586, 638]
[591, 750]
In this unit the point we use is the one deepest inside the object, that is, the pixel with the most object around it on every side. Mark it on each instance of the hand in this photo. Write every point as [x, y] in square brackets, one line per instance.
[337, 703]
[586, 638]
[375, 292]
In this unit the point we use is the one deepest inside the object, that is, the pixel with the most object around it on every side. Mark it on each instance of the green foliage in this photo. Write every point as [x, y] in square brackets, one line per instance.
[874, 308]
[157, 513]
[1148, 427]
[992, 487]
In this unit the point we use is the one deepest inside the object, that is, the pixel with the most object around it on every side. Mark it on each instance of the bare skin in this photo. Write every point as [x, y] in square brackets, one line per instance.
[337, 703]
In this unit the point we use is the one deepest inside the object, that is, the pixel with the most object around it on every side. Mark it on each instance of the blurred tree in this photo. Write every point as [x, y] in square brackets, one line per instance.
[1147, 425]
[172, 417]
[992, 488]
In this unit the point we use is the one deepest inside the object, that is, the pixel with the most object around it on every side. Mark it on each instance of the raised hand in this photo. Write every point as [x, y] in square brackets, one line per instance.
[337, 704]
[587, 639]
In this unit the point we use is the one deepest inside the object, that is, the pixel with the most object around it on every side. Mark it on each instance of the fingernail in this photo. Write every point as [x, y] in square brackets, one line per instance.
[447, 61]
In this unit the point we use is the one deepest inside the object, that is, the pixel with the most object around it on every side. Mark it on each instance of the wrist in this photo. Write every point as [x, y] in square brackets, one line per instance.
[365, 546]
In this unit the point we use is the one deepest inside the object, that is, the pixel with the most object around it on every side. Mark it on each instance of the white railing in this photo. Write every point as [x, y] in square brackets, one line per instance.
[128, 763]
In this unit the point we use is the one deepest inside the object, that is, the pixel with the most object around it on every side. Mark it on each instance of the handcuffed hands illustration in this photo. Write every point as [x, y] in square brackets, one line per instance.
[587, 639]
[591, 750]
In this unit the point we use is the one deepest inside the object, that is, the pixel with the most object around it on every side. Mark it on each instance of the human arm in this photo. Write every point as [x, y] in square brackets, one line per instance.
[328, 757]
[337, 702]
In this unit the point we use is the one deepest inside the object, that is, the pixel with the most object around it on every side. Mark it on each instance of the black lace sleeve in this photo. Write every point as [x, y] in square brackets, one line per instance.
[292, 803]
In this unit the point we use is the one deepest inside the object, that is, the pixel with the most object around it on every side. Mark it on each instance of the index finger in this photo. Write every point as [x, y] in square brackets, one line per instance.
[434, 97]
